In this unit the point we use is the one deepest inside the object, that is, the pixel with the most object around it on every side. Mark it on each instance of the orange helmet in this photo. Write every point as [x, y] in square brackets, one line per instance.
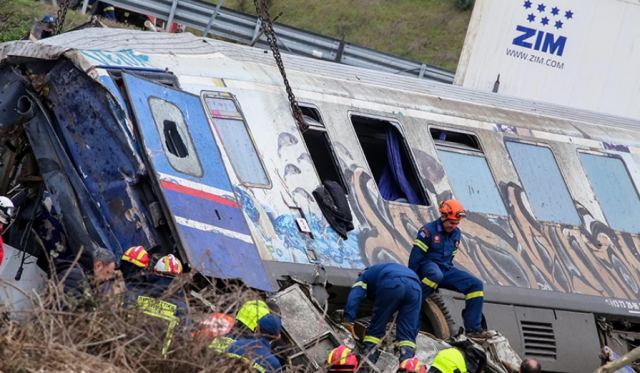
[137, 255]
[341, 359]
[168, 264]
[412, 365]
[452, 209]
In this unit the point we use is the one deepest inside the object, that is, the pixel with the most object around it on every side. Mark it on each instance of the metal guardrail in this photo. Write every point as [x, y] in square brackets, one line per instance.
[243, 28]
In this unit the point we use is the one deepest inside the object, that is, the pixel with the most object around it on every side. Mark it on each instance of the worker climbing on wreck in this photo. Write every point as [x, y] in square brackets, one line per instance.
[432, 256]
[392, 287]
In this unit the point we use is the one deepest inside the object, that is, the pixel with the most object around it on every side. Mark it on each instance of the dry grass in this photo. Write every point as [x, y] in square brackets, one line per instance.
[109, 337]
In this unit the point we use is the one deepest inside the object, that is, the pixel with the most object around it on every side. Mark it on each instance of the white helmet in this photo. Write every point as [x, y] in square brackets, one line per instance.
[7, 210]
[169, 265]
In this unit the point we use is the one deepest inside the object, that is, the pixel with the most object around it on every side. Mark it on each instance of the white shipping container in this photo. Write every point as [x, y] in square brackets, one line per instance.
[578, 53]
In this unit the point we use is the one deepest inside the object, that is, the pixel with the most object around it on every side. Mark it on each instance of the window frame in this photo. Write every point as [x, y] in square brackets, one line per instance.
[580, 151]
[562, 175]
[412, 159]
[451, 144]
[214, 131]
[466, 150]
[334, 156]
[162, 138]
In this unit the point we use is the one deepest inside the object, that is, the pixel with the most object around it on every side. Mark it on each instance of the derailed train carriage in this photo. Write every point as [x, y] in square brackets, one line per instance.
[188, 144]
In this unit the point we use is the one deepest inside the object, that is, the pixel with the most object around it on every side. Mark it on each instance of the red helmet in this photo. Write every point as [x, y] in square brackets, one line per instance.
[341, 359]
[136, 255]
[452, 209]
[412, 365]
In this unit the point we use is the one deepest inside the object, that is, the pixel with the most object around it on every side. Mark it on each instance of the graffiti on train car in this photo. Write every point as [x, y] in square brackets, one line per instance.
[517, 250]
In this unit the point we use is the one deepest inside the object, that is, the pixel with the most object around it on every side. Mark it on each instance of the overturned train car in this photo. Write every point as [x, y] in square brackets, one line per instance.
[187, 145]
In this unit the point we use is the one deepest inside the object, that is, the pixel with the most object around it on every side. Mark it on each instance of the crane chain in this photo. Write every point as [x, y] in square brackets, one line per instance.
[63, 7]
[267, 29]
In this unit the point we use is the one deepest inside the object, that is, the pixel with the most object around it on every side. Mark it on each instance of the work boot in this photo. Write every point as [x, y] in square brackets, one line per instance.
[480, 334]
[406, 353]
[371, 352]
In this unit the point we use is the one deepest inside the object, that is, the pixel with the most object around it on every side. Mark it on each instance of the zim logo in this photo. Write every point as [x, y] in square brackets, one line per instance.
[544, 41]
[536, 34]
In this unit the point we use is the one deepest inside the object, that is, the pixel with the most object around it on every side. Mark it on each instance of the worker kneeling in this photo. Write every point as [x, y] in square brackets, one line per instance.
[256, 350]
[392, 287]
[432, 259]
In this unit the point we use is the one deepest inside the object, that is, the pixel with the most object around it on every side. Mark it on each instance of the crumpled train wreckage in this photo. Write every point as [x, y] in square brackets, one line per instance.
[78, 179]
[83, 172]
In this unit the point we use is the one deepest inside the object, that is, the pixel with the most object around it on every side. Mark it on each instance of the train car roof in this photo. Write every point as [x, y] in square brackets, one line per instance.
[185, 44]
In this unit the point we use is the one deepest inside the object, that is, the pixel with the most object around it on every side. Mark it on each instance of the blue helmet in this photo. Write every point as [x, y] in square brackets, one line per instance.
[49, 20]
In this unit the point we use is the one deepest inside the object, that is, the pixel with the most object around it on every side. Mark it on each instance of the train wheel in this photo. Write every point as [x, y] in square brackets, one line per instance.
[436, 319]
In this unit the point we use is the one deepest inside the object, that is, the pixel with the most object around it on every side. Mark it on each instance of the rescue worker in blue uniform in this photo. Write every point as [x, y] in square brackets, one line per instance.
[256, 350]
[392, 287]
[432, 259]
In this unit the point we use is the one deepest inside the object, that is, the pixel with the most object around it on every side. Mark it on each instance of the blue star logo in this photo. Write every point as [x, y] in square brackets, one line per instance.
[531, 17]
[541, 7]
[558, 25]
[527, 4]
[555, 11]
[544, 21]
[568, 14]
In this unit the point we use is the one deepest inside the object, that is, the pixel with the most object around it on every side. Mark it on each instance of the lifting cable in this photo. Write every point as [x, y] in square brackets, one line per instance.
[267, 29]
[63, 7]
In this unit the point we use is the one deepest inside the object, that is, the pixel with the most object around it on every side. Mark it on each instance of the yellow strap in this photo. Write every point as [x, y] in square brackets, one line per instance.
[475, 294]
[236, 356]
[156, 307]
[362, 284]
[371, 339]
[169, 337]
[221, 344]
[423, 246]
[454, 252]
[407, 343]
[343, 357]
[429, 283]
[109, 8]
[259, 368]
[330, 357]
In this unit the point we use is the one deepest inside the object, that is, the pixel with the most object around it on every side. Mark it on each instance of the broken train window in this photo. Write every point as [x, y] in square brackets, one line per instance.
[175, 137]
[319, 145]
[234, 134]
[390, 160]
[468, 171]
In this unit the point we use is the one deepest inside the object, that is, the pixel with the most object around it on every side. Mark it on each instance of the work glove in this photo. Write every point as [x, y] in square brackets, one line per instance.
[350, 328]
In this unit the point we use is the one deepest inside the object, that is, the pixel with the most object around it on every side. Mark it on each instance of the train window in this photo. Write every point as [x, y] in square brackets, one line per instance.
[319, 146]
[472, 181]
[454, 139]
[175, 137]
[543, 183]
[614, 190]
[312, 114]
[229, 123]
[389, 160]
